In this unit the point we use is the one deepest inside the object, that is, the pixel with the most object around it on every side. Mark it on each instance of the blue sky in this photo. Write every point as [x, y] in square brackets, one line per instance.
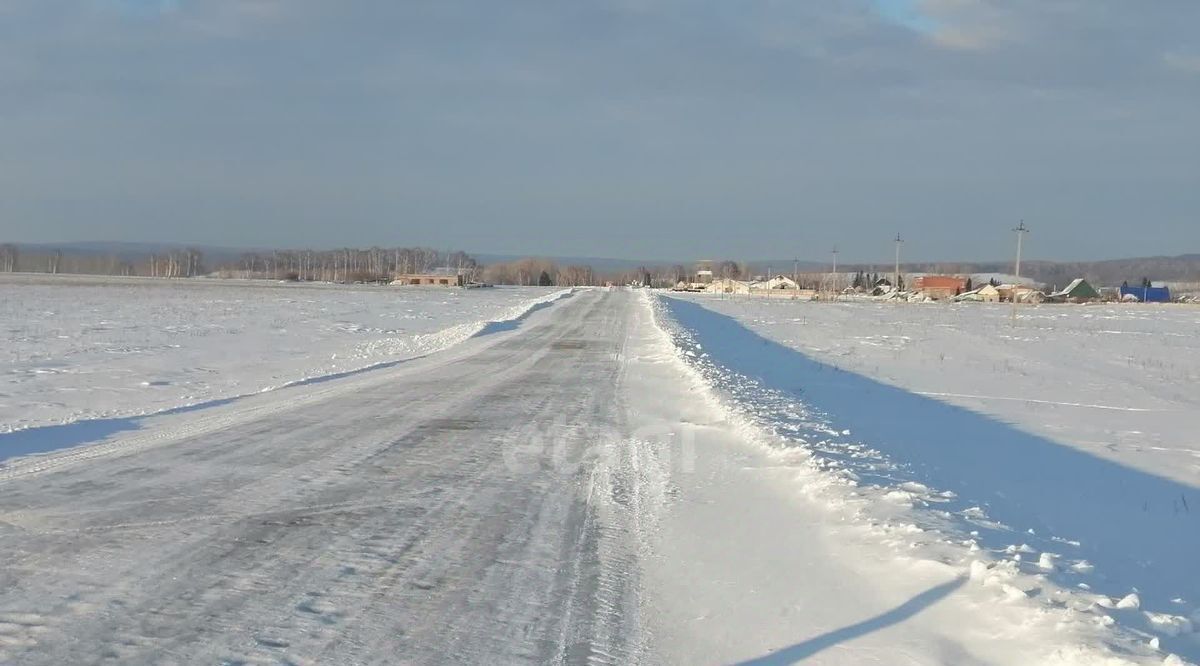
[625, 128]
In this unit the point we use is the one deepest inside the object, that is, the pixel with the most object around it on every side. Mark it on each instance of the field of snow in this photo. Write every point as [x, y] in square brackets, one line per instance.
[84, 348]
[1117, 381]
[1056, 461]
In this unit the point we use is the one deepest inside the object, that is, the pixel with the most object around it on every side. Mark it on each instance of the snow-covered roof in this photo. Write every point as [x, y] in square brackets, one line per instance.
[1066, 291]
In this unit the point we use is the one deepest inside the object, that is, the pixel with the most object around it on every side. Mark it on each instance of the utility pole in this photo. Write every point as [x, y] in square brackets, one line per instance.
[1020, 230]
[835, 273]
[896, 276]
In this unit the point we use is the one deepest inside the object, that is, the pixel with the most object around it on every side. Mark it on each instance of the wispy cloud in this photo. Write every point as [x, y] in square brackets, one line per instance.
[969, 24]
[1186, 62]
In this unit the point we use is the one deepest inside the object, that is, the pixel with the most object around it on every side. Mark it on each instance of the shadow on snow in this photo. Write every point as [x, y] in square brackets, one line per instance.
[48, 439]
[812, 646]
[493, 327]
[1139, 530]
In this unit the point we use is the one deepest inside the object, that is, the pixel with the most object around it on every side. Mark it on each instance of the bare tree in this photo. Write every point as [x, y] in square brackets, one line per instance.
[8, 257]
[575, 276]
[729, 269]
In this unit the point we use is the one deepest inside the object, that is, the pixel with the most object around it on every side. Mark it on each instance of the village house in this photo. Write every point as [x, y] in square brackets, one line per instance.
[985, 294]
[777, 282]
[728, 286]
[436, 279]
[939, 287]
[1079, 291]
[1022, 292]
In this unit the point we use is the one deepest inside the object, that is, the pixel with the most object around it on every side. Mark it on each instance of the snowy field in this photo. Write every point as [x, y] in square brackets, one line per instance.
[1056, 461]
[84, 348]
[1118, 381]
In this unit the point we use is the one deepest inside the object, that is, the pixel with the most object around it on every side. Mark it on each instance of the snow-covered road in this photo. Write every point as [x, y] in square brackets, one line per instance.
[562, 488]
[405, 516]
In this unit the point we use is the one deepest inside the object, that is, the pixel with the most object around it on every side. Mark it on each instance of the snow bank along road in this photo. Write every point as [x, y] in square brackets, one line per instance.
[85, 348]
[565, 488]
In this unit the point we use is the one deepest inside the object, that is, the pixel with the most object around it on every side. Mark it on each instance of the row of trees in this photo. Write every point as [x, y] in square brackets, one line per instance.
[8, 257]
[375, 264]
[341, 265]
[867, 281]
[544, 272]
[177, 263]
[55, 261]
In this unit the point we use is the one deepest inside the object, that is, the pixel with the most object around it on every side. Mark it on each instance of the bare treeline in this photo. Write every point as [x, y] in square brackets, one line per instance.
[543, 272]
[376, 264]
[178, 263]
[8, 257]
[342, 265]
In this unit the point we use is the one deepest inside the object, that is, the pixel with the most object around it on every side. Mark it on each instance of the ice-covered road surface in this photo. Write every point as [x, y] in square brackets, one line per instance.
[404, 517]
[561, 490]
